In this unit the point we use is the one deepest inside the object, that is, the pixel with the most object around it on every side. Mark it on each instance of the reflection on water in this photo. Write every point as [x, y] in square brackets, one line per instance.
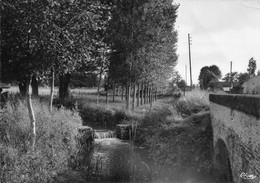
[115, 160]
[111, 160]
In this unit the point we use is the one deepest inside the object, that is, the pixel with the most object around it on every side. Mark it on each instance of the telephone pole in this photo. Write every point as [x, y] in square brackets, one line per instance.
[189, 43]
[186, 73]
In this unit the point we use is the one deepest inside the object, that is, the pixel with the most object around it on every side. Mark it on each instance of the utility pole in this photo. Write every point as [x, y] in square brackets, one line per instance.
[230, 77]
[186, 73]
[189, 43]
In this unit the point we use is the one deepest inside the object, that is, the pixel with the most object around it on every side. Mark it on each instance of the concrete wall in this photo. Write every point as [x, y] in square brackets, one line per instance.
[236, 133]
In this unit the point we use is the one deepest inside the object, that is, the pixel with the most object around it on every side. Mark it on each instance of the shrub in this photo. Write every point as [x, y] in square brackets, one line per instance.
[193, 102]
[55, 142]
[68, 103]
[101, 116]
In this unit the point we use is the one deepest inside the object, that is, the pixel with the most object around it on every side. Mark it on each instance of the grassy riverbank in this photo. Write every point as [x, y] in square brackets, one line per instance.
[55, 142]
[179, 139]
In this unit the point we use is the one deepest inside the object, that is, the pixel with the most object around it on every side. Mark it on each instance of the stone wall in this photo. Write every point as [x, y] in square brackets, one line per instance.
[236, 130]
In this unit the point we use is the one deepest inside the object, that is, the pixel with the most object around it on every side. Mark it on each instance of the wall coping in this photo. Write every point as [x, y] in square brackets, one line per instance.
[249, 104]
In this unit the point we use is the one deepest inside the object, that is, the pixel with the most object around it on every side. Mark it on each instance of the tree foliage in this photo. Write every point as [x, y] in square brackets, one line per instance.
[181, 84]
[234, 77]
[242, 77]
[40, 35]
[143, 40]
[251, 66]
[131, 40]
[207, 74]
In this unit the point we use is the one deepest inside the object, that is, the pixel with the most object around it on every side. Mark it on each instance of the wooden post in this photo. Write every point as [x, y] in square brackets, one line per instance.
[189, 41]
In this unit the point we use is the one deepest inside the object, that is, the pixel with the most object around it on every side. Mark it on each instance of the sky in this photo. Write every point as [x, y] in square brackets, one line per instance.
[221, 31]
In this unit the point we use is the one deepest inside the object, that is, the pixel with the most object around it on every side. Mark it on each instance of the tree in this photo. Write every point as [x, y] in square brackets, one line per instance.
[181, 84]
[234, 77]
[22, 34]
[215, 69]
[176, 77]
[242, 77]
[142, 41]
[251, 66]
[208, 74]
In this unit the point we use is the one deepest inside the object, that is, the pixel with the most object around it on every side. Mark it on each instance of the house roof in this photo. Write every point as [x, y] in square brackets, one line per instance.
[224, 83]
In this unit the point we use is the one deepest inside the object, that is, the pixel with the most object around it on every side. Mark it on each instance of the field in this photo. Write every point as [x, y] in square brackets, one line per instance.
[46, 90]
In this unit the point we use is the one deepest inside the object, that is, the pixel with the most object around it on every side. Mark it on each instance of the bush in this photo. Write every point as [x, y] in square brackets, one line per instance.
[68, 103]
[55, 142]
[193, 102]
[151, 123]
[101, 116]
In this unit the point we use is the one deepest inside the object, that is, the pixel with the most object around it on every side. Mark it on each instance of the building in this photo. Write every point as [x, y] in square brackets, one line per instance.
[252, 86]
[218, 85]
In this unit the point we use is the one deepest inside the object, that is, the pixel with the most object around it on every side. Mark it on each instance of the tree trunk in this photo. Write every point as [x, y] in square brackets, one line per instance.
[149, 95]
[126, 91]
[35, 88]
[134, 96]
[151, 103]
[24, 87]
[52, 88]
[142, 93]
[99, 81]
[122, 92]
[32, 118]
[128, 96]
[114, 92]
[155, 95]
[138, 95]
[64, 86]
[107, 96]
[98, 94]
[146, 94]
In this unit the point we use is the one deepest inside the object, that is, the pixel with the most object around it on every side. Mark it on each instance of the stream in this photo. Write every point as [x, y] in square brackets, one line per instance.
[116, 160]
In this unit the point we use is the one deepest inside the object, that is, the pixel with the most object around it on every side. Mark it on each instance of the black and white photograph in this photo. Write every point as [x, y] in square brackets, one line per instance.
[129, 91]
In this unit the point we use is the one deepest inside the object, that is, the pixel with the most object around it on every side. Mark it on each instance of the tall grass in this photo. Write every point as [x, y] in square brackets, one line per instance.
[193, 102]
[175, 149]
[55, 142]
